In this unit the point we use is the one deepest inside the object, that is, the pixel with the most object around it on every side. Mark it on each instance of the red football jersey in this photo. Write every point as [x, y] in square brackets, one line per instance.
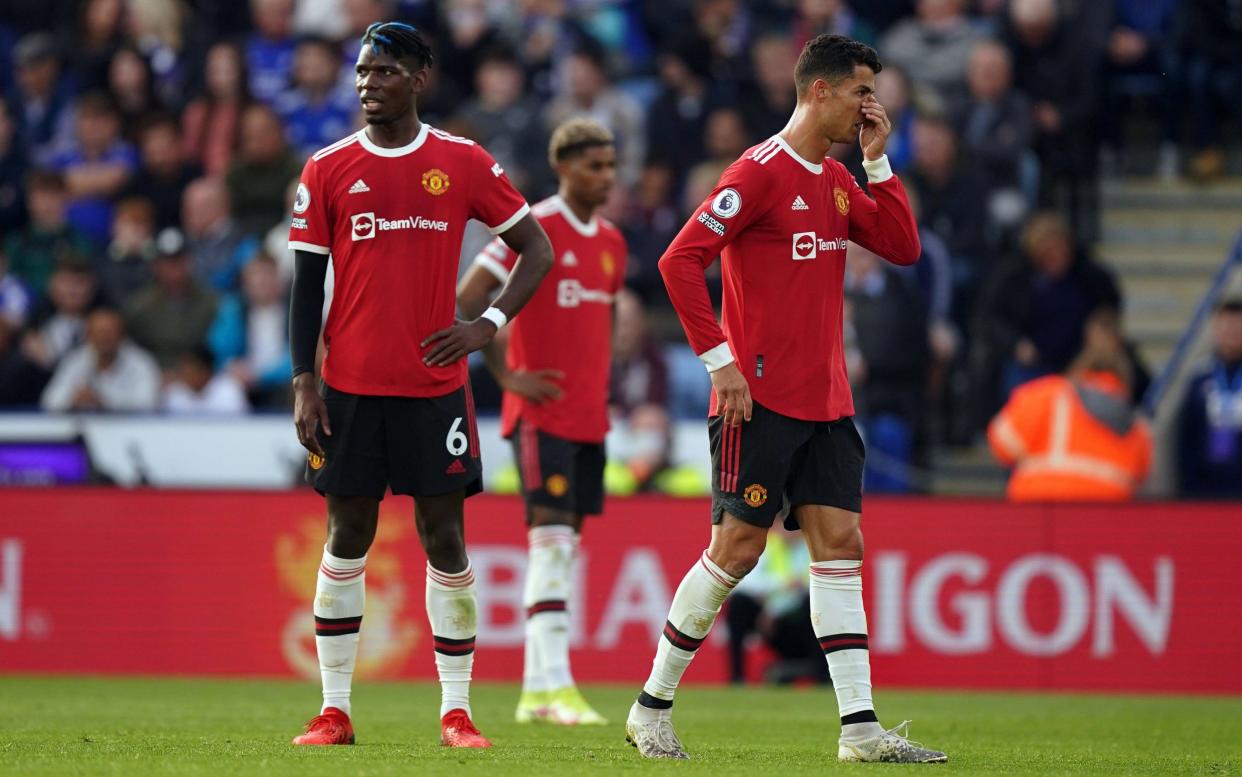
[782, 223]
[393, 218]
[567, 325]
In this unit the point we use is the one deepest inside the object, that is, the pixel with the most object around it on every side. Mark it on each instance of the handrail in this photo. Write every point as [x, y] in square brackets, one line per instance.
[1160, 386]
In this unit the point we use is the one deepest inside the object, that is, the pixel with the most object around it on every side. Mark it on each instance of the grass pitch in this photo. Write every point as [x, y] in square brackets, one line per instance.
[66, 726]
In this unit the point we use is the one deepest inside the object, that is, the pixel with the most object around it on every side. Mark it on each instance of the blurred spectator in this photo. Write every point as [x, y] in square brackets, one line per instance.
[41, 99]
[639, 394]
[126, 265]
[1075, 437]
[13, 164]
[890, 374]
[60, 320]
[994, 124]
[1210, 424]
[951, 197]
[585, 91]
[933, 46]
[768, 101]
[467, 33]
[162, 176]
[97, 166]
[131, 88]
[812, 17]
[650, 222]
[1213, 30]
[107, 372]
[1142, 64]
[21, 379]
[174, 312]
[1032, 314]
[250, 335]
[100, 33]
[323, 18]
[269, 49]
[505, 120]
[163, 32]
[316, 111]
[218, 246]
[774, 603]
[260, 171]
[1059, 72]
[681, 106]
[882, 14]
[276, 243]
[15, 301]
[728, 26]
[209, 123]
[892, 89]
[33, 252]
[196, 390]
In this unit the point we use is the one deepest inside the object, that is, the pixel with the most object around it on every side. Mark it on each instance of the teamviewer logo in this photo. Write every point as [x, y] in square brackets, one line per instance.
[363, 226]
[804, 246]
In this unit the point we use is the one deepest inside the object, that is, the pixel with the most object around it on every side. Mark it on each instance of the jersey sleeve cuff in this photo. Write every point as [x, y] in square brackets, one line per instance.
[509, 222]
[718, 357]
[878, 170]
[297, 245]
[492, 266]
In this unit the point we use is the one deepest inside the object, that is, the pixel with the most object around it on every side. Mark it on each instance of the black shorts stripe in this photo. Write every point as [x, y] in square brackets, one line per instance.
[834, 642]
[679, 640]
[550, 605]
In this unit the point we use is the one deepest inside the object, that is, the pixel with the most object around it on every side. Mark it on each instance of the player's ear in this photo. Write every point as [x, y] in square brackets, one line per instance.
[418, 80]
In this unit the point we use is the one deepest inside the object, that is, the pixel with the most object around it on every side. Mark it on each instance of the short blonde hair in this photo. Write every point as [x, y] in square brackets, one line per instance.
[577, 135]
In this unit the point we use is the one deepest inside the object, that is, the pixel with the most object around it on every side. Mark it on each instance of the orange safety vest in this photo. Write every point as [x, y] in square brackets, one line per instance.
[1061, 452]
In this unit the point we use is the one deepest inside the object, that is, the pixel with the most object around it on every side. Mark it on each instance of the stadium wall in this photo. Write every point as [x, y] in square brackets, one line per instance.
[968, 594]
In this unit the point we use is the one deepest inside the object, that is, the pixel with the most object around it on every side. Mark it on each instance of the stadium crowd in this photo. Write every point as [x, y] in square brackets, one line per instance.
[149, 150]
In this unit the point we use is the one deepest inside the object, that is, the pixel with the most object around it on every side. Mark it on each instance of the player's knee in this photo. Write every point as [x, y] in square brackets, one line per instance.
[735, 559]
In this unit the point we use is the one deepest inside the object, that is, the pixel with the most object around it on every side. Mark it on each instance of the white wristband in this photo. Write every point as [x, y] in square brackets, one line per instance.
[878, 170]
[496, 316]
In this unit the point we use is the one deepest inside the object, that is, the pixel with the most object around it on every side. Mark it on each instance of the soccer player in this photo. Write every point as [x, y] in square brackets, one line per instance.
[389, 203]
[781, 412]
[555, 406]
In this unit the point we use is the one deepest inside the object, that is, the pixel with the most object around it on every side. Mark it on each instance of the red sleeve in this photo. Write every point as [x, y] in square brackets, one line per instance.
[885, 226]
[310, 228]
[736, 202]
[497, 258]
[493, 199]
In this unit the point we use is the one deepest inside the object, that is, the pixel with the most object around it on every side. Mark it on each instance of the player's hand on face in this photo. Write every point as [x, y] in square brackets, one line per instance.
[537, 386]
[309, 413]
[875, 130]
[449, 345]
[732, 394]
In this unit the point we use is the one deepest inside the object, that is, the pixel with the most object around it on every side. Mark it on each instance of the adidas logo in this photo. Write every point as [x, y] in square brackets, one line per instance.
[359, 187]
[800, 204]
[569, 260]
[456, 468]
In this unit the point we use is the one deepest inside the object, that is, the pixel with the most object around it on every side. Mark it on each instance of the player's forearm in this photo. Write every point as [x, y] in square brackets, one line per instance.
[534, 261]
[892, 232]
[687, 290]
[306, 309]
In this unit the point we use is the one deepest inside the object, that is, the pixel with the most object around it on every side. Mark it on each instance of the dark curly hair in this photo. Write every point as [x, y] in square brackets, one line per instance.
[401, 40]
[832, 58]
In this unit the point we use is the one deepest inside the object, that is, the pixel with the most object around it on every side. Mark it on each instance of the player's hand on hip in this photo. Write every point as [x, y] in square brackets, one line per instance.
[732, 394]
[309, 413]
[449, 345]
[537, 386]
[875, 129]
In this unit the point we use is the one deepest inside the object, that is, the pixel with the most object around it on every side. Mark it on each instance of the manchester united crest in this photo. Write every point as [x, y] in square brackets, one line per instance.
[315, 461]
[607, 262]
[755, 495]
[436, 181]
[842, 199]
[556, 485]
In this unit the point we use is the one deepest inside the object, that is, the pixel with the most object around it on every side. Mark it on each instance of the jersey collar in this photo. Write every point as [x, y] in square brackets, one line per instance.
[589, 229]
[409, 148]
[814, 168]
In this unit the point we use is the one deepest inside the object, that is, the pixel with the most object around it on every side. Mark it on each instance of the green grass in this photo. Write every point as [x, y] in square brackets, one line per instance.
[66, 726]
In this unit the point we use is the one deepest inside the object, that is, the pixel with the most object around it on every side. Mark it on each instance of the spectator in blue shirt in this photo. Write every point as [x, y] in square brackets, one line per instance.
[96, 167]
[269, 49]
[40, 101]
[316, 111]
[1210, 434]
